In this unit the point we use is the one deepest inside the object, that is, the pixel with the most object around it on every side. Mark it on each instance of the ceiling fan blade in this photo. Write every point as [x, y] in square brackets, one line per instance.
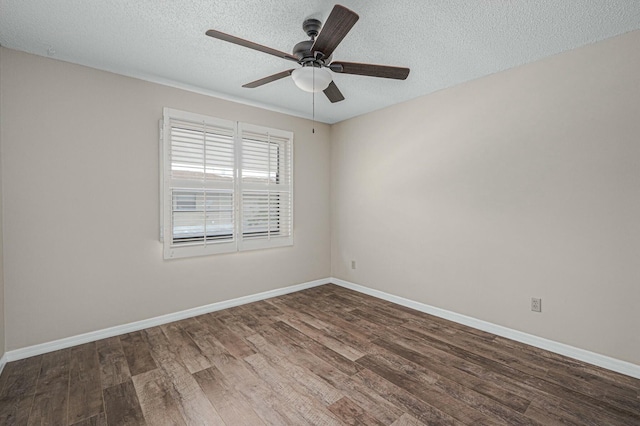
[370, 70]
[269, 79]
[251, 45]
[338, 24]
[333, 93]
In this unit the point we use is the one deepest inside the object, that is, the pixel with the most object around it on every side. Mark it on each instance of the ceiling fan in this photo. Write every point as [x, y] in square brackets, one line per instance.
[315, 56]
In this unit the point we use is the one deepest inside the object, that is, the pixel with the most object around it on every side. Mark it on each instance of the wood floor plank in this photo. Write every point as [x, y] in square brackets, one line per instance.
[136, 352]
[348, 300]
[157, 399]
[284, 343]
[528, 357]
[367, 398]
[467, 342]
[311, 410]
[97, 420]
[229, 403]
[617, 396]
[324, 300]
[491, 382]
[234, 343]
[345, 320]
[266, 404]
[516, 401]
[322, 338]
[531, 381]
[85, 389]
[269, 406]
[191, 356]
[548, 413]
[333, 326]
[407, 402]
[113, 363]
[452, 357]
[574, 366]
[451, 365]
[294, 310]
[263, 311]
[193, 404]
[379, 318]
[200, 332]
[312, 384]
[424, 388]
[400, 312]
[351, 413]
[122, 406]
[240, 326]
[19, 380]
[334, 358]
[50, 403]
[525, 362]
[407, 420]
[227, 316]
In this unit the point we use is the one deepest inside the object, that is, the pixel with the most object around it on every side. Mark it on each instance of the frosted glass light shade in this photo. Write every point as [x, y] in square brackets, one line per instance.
[304, 78]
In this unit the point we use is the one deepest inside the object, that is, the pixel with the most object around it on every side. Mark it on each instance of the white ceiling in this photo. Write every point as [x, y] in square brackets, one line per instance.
[444, 42]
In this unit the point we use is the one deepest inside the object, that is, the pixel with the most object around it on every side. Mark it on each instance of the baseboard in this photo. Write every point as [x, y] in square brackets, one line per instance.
[3, 362]
[151, 322]
[603, 361]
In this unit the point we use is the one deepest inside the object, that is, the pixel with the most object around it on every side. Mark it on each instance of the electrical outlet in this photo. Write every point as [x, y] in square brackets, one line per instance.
[536, 304]
[353, 264]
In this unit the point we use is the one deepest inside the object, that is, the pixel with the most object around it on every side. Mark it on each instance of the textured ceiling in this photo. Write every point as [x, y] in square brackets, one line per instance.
[444, 42]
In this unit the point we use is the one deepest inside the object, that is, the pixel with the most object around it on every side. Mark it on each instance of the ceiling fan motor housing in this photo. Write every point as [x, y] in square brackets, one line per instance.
[302, 50]
[305, 56]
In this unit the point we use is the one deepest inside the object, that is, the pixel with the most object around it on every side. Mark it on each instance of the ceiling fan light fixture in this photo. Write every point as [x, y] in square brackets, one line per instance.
[305, 77]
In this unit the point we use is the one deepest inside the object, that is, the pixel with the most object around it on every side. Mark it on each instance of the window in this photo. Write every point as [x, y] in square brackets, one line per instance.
[225, 186]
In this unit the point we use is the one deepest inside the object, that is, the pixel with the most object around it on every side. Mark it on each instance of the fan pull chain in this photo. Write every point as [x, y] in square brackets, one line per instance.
[313, 102]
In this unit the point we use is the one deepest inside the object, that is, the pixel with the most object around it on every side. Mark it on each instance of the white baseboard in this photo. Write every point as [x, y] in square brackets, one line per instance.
[3, 362]
[603, 361]
[92, 336]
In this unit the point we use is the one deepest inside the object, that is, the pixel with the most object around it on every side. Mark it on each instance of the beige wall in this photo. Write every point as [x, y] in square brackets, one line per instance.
[522, 184]
[81, 248]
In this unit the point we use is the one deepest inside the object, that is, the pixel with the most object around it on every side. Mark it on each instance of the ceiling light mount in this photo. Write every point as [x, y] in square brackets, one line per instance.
[312, 27]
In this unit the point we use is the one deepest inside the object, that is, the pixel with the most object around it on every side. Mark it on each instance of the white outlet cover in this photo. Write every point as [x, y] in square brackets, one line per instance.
[536, 304]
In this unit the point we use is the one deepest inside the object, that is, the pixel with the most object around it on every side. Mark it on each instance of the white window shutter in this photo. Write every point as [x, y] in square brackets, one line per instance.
[199, 185]
[266, 189]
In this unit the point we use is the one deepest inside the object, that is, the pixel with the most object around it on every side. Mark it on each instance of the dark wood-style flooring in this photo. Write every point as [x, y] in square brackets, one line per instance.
[322, 356]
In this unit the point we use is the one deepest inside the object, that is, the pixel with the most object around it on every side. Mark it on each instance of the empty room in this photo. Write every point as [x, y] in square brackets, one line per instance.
[218, 212]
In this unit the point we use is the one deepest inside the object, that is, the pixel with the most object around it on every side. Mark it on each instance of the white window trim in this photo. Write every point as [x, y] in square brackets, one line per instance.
[238, 243]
